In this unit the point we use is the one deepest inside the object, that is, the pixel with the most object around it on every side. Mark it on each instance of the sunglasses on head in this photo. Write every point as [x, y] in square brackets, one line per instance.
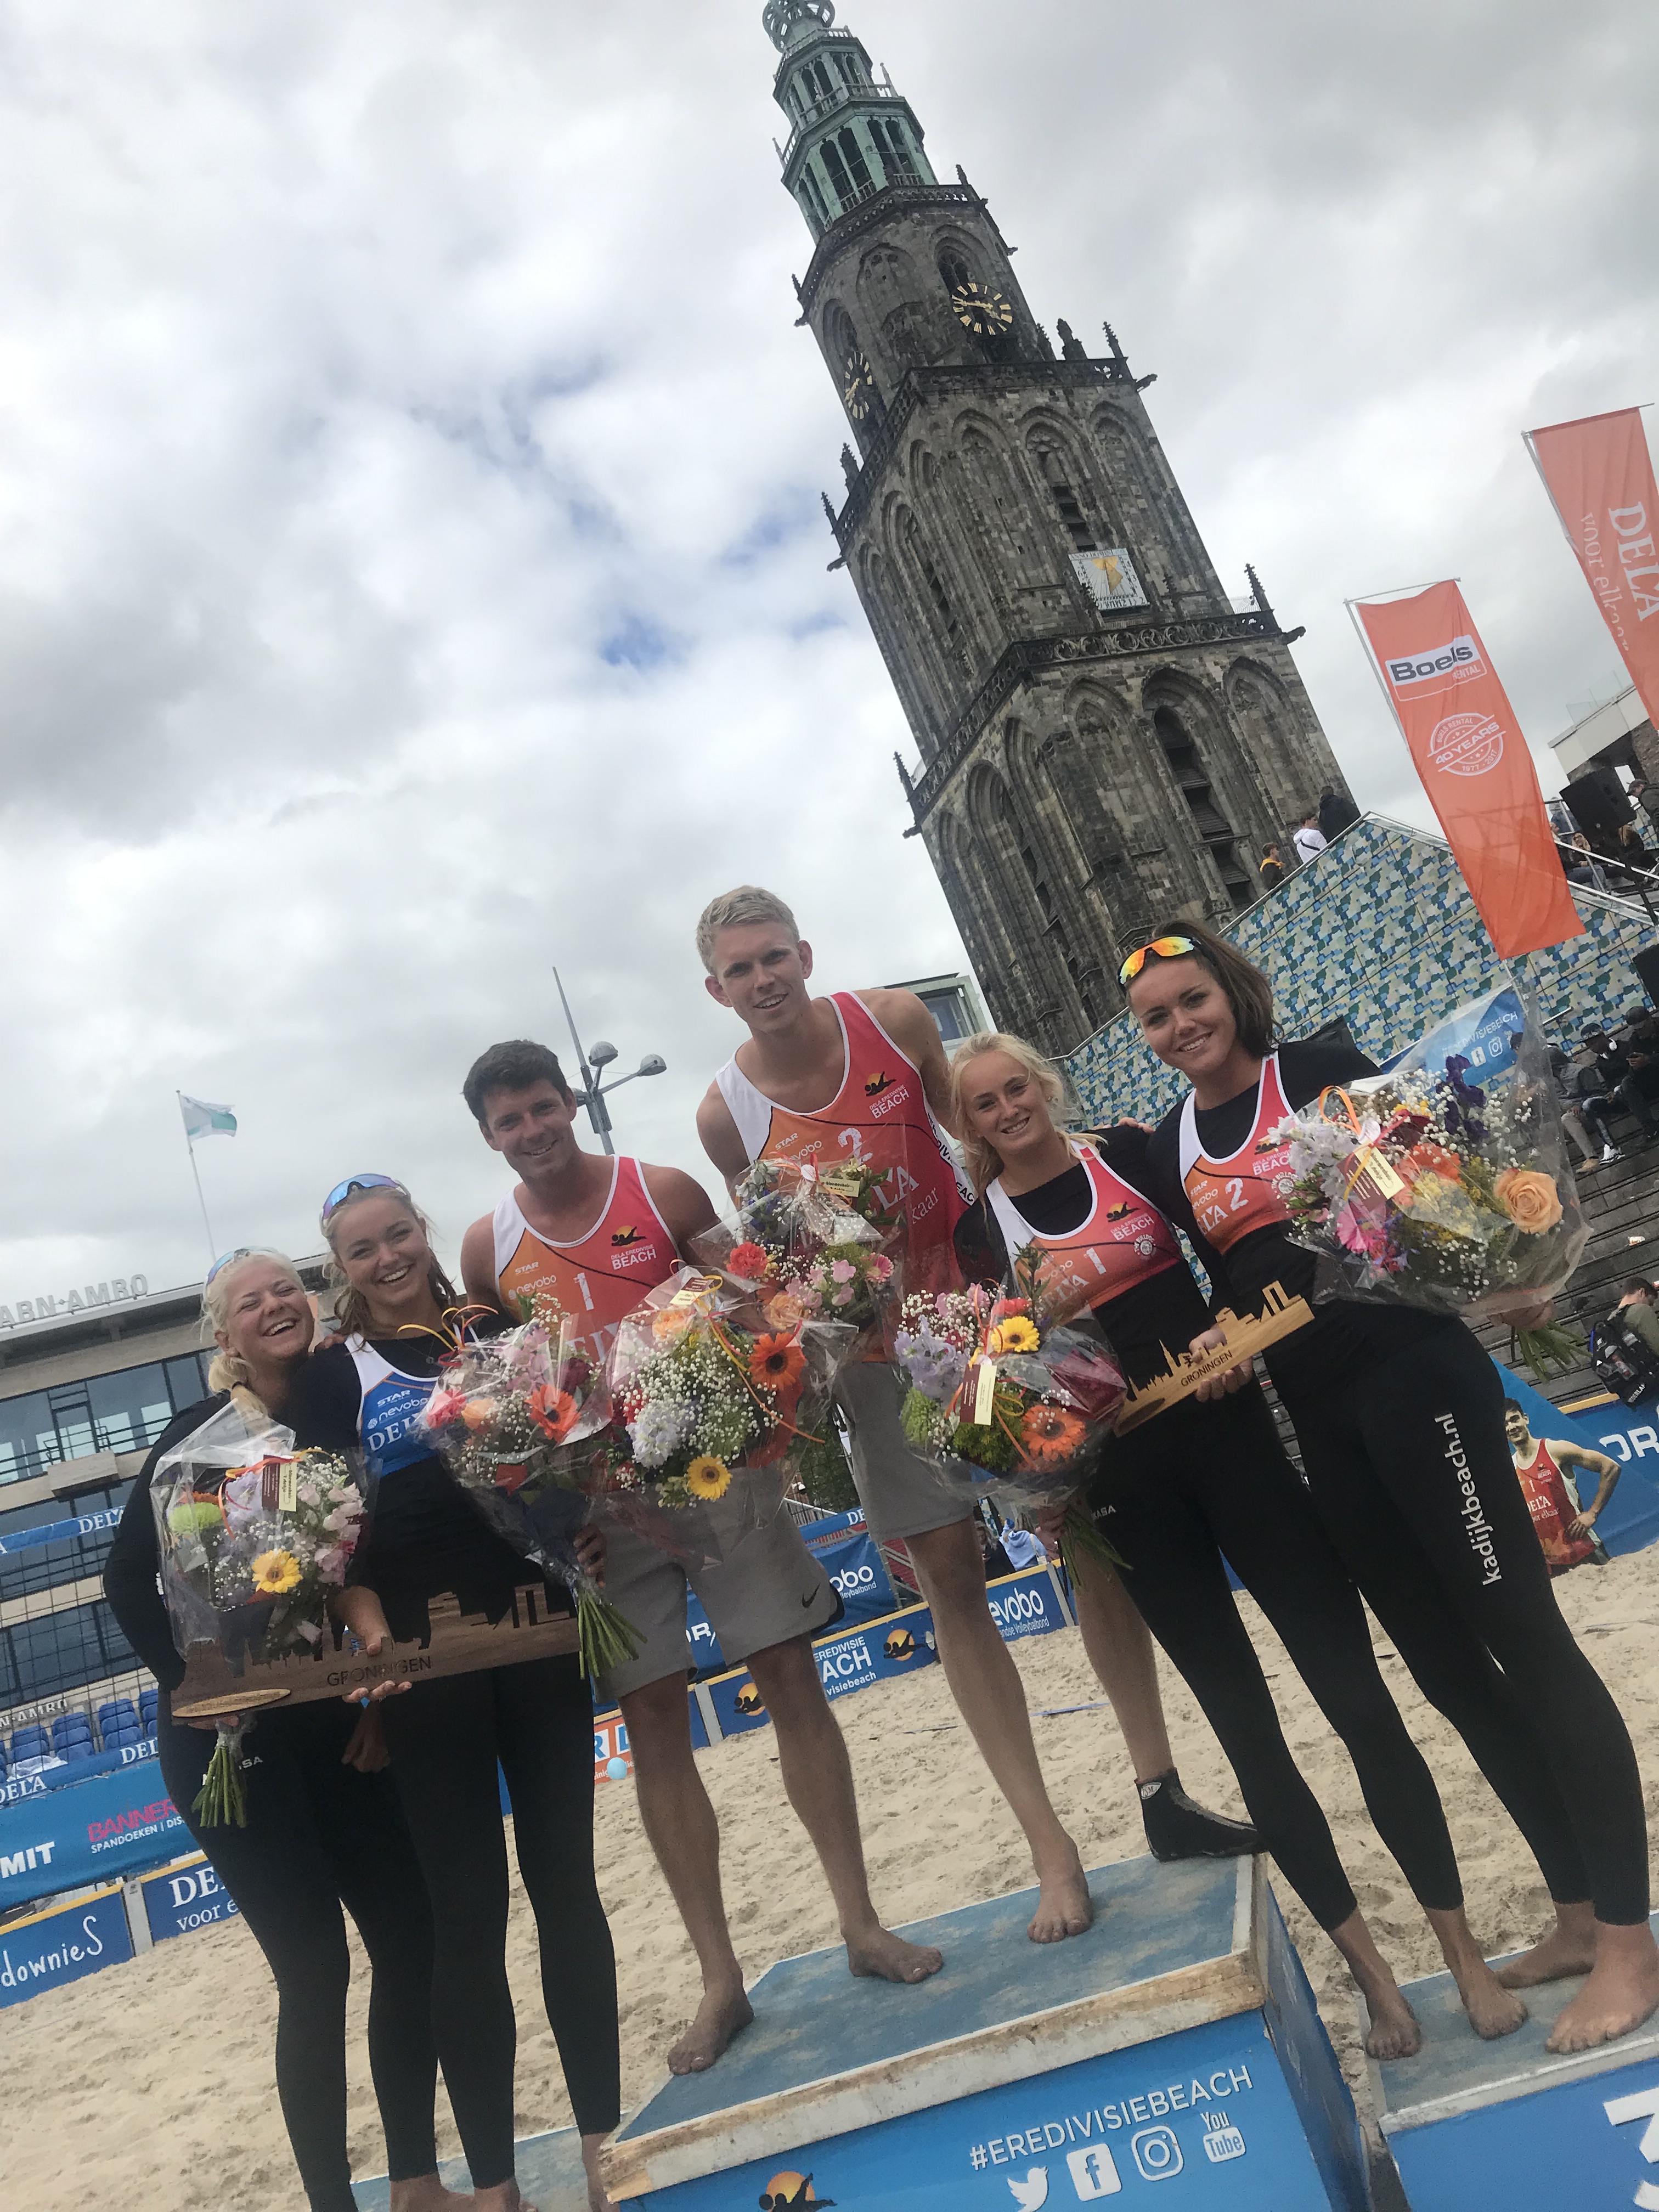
[352, 1187]
[225, 1259]
[1166, 948]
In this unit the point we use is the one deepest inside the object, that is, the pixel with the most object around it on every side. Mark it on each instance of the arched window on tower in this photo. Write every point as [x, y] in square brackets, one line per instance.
[1084, 983]
[839, 183]
[814, 193]
[899, 141]
[1186, 766]
[895, 154]
[1055, 474]
[922, 562]
[854, 156]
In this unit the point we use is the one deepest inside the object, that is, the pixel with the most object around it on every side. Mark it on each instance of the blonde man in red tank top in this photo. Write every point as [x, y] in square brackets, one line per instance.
[864, 1073]
[598, 1233]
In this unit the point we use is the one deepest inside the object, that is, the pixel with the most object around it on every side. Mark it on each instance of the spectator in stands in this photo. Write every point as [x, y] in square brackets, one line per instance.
[323, 1827]
[1309, 838]
[1573, 1114]
[1271, 867]
[1633, 855]
[1581, 863]
[1637, 1038]
[1619, 1078]
[1635, 1309]
[1593, 1101]
[1645, 795]
[1337, 811]
[1561, 821]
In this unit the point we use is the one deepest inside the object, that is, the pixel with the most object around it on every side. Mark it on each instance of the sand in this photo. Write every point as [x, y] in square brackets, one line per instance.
[150, 2084]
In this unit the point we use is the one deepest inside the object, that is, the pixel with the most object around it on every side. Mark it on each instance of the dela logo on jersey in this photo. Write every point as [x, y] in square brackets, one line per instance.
[785, 2190]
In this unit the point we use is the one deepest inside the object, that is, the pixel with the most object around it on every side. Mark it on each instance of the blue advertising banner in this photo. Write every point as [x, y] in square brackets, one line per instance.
[67, 1772]
[1025, 1604]
[1627, 1434]
[50, 1948]
[848, 1660]
[116, 1825]
[186, 1895]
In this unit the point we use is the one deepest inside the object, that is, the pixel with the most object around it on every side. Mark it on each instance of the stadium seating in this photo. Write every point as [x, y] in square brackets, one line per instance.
[117, 1722]
[149, 1702]
[70, 1728]
[30, 1743]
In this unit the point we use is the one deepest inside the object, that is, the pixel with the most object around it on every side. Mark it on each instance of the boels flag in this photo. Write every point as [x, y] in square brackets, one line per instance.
[1475, 764]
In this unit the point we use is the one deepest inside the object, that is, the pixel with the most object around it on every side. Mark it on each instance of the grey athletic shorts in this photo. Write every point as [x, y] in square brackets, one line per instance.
[899, 1495]
[766, 1589]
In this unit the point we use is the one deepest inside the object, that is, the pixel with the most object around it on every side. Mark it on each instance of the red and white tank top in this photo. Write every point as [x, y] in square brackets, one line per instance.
[1549, 1501]
[880, 1114]
[1121, 1241]
[1245, 1191]
[599, 1278]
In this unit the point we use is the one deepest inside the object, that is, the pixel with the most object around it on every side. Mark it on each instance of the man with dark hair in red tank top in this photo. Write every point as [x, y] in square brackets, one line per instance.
[598, 1233]
[864, 1074]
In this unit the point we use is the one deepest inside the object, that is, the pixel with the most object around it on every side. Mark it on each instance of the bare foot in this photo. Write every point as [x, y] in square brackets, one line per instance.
[1569, 1948]
[1064, 1905]
[426, 2193]
[721, 2016]
[1493, 2010]
[888, 1957]
[1622, 1992]
[504, 2197]
[1394, 2032]
[598, 2198]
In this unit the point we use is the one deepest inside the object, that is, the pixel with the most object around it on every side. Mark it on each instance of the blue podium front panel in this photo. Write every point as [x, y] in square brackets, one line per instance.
[1471, 2124]
[1175, 2044]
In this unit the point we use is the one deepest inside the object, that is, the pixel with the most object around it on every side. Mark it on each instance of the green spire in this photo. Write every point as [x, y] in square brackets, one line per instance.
[852, 138]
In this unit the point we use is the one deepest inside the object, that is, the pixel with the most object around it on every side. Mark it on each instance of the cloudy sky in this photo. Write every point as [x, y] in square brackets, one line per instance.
[412, 567]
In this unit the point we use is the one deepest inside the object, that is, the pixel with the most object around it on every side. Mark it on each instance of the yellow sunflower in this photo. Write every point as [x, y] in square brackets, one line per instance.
[1014, 1334]
[707, 1477]
[275, 1572]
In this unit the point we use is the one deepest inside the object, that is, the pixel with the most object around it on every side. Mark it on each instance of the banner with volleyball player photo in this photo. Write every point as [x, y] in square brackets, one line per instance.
[1467, 748]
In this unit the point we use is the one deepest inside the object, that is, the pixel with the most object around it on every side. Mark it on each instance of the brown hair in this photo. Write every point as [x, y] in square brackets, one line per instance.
[513, 1066]
[984, 1161]
[1248, 991]
[351, 1313]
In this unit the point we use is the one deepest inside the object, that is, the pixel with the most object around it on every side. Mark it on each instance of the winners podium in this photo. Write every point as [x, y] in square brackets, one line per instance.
[1175, 2044]
[1506, 2124]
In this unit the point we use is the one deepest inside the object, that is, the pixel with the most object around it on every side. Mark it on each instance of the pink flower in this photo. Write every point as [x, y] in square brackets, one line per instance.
[444, 1407]
[841, 1271]
[1360, 1232]
[844, 1295]
[881, 1268]
[332, 1563]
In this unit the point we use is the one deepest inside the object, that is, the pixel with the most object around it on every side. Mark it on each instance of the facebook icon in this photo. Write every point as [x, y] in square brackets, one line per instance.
[1093, 2171]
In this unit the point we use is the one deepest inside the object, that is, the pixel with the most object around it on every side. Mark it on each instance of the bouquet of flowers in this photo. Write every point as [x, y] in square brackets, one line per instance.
[518, 1419]
[814, 1244]
[254, 1538]
[714, 1390]
[1004, 1406]
[1444, 1182]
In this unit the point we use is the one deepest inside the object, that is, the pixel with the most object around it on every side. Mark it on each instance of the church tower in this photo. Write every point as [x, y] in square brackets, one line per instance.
[1105, 739]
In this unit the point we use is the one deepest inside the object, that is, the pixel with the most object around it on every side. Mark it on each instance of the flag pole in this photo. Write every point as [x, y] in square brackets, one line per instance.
[201, 1196]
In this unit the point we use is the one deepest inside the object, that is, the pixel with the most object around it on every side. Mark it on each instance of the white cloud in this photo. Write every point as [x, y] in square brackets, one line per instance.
[411, 567]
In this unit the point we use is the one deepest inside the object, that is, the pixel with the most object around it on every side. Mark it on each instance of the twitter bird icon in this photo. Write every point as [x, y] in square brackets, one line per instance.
[1033, 2190]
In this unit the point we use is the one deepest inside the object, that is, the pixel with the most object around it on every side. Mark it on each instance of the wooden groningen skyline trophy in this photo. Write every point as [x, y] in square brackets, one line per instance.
[1281, 1316]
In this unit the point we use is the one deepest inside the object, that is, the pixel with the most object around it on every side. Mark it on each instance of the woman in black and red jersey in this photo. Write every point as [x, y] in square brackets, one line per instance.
[1201, 1485]
[1399, 1413]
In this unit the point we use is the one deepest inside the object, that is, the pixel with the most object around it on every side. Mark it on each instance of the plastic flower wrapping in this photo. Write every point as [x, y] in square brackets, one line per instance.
[253, 1538]
[814, 1243]
[1002, 1403]
[520, 1419]
[1444, 1182]
[722, 1393]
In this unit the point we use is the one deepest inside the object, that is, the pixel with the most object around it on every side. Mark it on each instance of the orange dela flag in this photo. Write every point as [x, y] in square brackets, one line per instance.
[1598, 472]
[1475, 764]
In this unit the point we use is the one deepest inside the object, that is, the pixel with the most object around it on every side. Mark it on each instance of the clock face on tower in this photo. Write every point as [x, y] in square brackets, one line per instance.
[986, 314]
[858, 385]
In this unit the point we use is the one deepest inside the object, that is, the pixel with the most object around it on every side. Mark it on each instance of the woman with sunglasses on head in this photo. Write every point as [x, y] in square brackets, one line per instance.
[1197, 1487]
[324, 1828]
[1399, 1413]
[399, 1315]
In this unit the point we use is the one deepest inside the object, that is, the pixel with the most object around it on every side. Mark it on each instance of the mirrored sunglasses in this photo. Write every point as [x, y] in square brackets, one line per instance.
[1166, 948]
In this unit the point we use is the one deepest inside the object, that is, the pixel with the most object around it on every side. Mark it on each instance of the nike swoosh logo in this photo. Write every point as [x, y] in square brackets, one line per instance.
[811, 1598]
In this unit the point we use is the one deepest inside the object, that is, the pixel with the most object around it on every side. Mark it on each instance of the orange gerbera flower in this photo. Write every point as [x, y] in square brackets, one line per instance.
[553, 1411]
[776, 1363]
[1051, 1435]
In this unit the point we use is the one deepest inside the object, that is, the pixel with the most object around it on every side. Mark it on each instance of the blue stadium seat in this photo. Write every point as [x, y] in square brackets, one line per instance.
[78, 1746]
[118, 1713]
[70, 1728]
[30, 1743]
[148, 1706]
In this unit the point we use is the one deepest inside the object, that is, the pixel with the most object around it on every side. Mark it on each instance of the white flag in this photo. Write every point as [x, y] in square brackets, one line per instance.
[202, 1120]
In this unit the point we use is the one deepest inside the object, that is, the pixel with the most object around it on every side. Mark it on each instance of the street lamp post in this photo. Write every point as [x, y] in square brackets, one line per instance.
[589, 1065]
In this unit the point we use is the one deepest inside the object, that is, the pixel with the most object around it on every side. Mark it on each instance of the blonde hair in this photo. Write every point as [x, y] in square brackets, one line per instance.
[984, 1162]
[351, 1315]
[228, 1370]
[740, 909]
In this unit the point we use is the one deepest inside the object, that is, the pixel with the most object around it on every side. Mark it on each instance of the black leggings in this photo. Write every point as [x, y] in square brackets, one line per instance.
[538, 1719]
[1408, 1464]
[320, 1835]
[1173, 1497]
